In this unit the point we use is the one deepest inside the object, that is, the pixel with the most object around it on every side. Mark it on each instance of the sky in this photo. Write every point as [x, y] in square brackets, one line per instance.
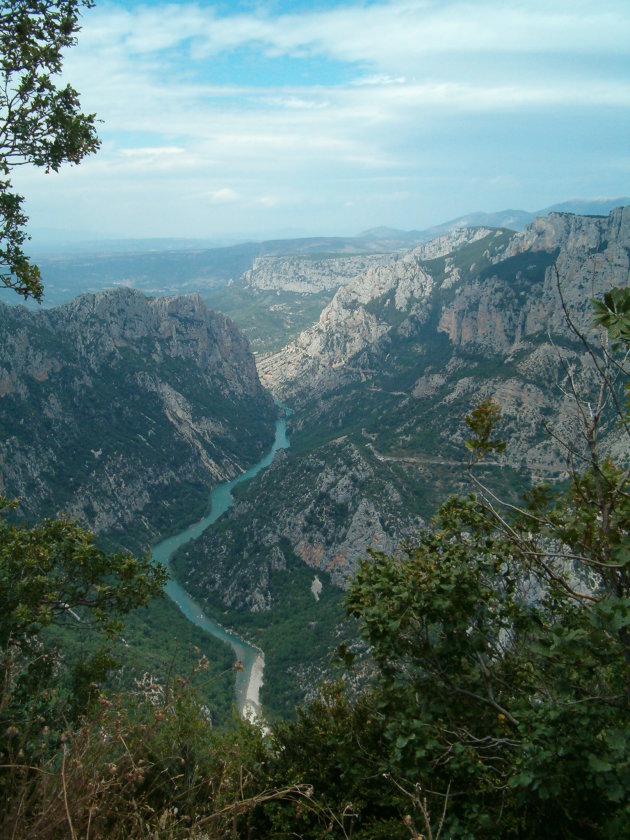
[233, 120]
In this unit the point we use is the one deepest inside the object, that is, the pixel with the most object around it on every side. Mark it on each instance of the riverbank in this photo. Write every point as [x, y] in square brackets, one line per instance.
[251, 709]
[248, 680]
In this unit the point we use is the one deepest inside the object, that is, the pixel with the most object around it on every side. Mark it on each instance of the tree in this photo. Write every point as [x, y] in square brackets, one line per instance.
[54, 573]
[40, 123]
[51, 574]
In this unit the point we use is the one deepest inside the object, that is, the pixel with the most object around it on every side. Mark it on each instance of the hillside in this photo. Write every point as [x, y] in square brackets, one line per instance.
[379, 389]
[123, 411]
[402, 351]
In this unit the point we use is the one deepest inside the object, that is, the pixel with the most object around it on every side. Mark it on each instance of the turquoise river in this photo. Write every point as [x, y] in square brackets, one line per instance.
[220, 501]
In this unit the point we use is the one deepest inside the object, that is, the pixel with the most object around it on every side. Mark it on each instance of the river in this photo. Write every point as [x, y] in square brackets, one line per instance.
[248, 680]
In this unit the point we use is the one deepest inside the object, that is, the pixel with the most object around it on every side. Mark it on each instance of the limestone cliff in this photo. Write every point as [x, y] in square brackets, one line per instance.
[393, 297]
[486, 291]
[517, 300]
[124, 410]
[357, 322]
[306, 275]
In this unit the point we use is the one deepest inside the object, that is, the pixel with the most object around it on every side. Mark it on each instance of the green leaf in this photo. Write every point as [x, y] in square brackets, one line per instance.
[599, 765]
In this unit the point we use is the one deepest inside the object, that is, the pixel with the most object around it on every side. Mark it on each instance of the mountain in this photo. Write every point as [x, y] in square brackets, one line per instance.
[123, 411]
[511, 219]
[165, 267]
[586, 206]
[490, 291]
[379, 388]
[179, 266]
[519, 219]
[306, 275]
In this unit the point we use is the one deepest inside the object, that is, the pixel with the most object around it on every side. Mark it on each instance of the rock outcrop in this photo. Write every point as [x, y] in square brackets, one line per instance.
[488, 293]
[381, 385]
[355, 324]
[306, 275]
[124, 410]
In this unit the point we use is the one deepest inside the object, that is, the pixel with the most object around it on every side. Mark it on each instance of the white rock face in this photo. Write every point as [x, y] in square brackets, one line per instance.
[449, 242]
[505, 312]
[574, 233]
[316, 587]
[499, 314]
[307, 276]
[330, 351]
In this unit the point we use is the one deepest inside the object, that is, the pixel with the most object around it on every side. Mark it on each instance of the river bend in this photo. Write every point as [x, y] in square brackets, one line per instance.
[248, 680]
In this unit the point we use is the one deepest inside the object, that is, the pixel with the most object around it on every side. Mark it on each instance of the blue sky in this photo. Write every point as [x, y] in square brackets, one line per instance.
[258, 119]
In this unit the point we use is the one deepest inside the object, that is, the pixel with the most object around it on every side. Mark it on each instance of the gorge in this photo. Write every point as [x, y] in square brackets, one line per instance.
[249, 678]
[126, 411]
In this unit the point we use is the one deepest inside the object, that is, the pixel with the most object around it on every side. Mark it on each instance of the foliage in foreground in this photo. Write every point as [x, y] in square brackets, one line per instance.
[500, 705]
[148, 765]
[40, 122]
[54, 573]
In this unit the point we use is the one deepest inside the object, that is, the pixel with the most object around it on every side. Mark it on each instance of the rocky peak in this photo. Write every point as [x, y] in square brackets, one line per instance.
[570, 232]
[449, 242]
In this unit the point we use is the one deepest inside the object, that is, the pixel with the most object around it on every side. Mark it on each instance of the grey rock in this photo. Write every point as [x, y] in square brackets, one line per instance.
[115, 406]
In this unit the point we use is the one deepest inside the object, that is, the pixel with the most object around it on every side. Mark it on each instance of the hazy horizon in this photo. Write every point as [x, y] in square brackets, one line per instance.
[257, 120]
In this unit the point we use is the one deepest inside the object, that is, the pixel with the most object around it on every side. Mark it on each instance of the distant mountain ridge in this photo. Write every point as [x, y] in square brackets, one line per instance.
[178, 266]
[511, 219]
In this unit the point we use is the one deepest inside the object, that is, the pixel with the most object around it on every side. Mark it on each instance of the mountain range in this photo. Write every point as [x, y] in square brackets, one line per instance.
[379, 389]
[168, 266]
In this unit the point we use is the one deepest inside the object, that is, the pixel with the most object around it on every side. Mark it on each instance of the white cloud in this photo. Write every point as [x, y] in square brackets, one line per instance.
[267, 201]
[338, 100]
[146, 70]
[153, 151]
[225, 195]
[389, 33]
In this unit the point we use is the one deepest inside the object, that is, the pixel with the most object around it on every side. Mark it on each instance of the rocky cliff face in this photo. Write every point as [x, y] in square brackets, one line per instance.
[490, 293]
[392, 298]
[519, 299]
[380, 387]
[304, 275]
[123, 410]
[404, 351]
[574, 234]
[357, 323]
